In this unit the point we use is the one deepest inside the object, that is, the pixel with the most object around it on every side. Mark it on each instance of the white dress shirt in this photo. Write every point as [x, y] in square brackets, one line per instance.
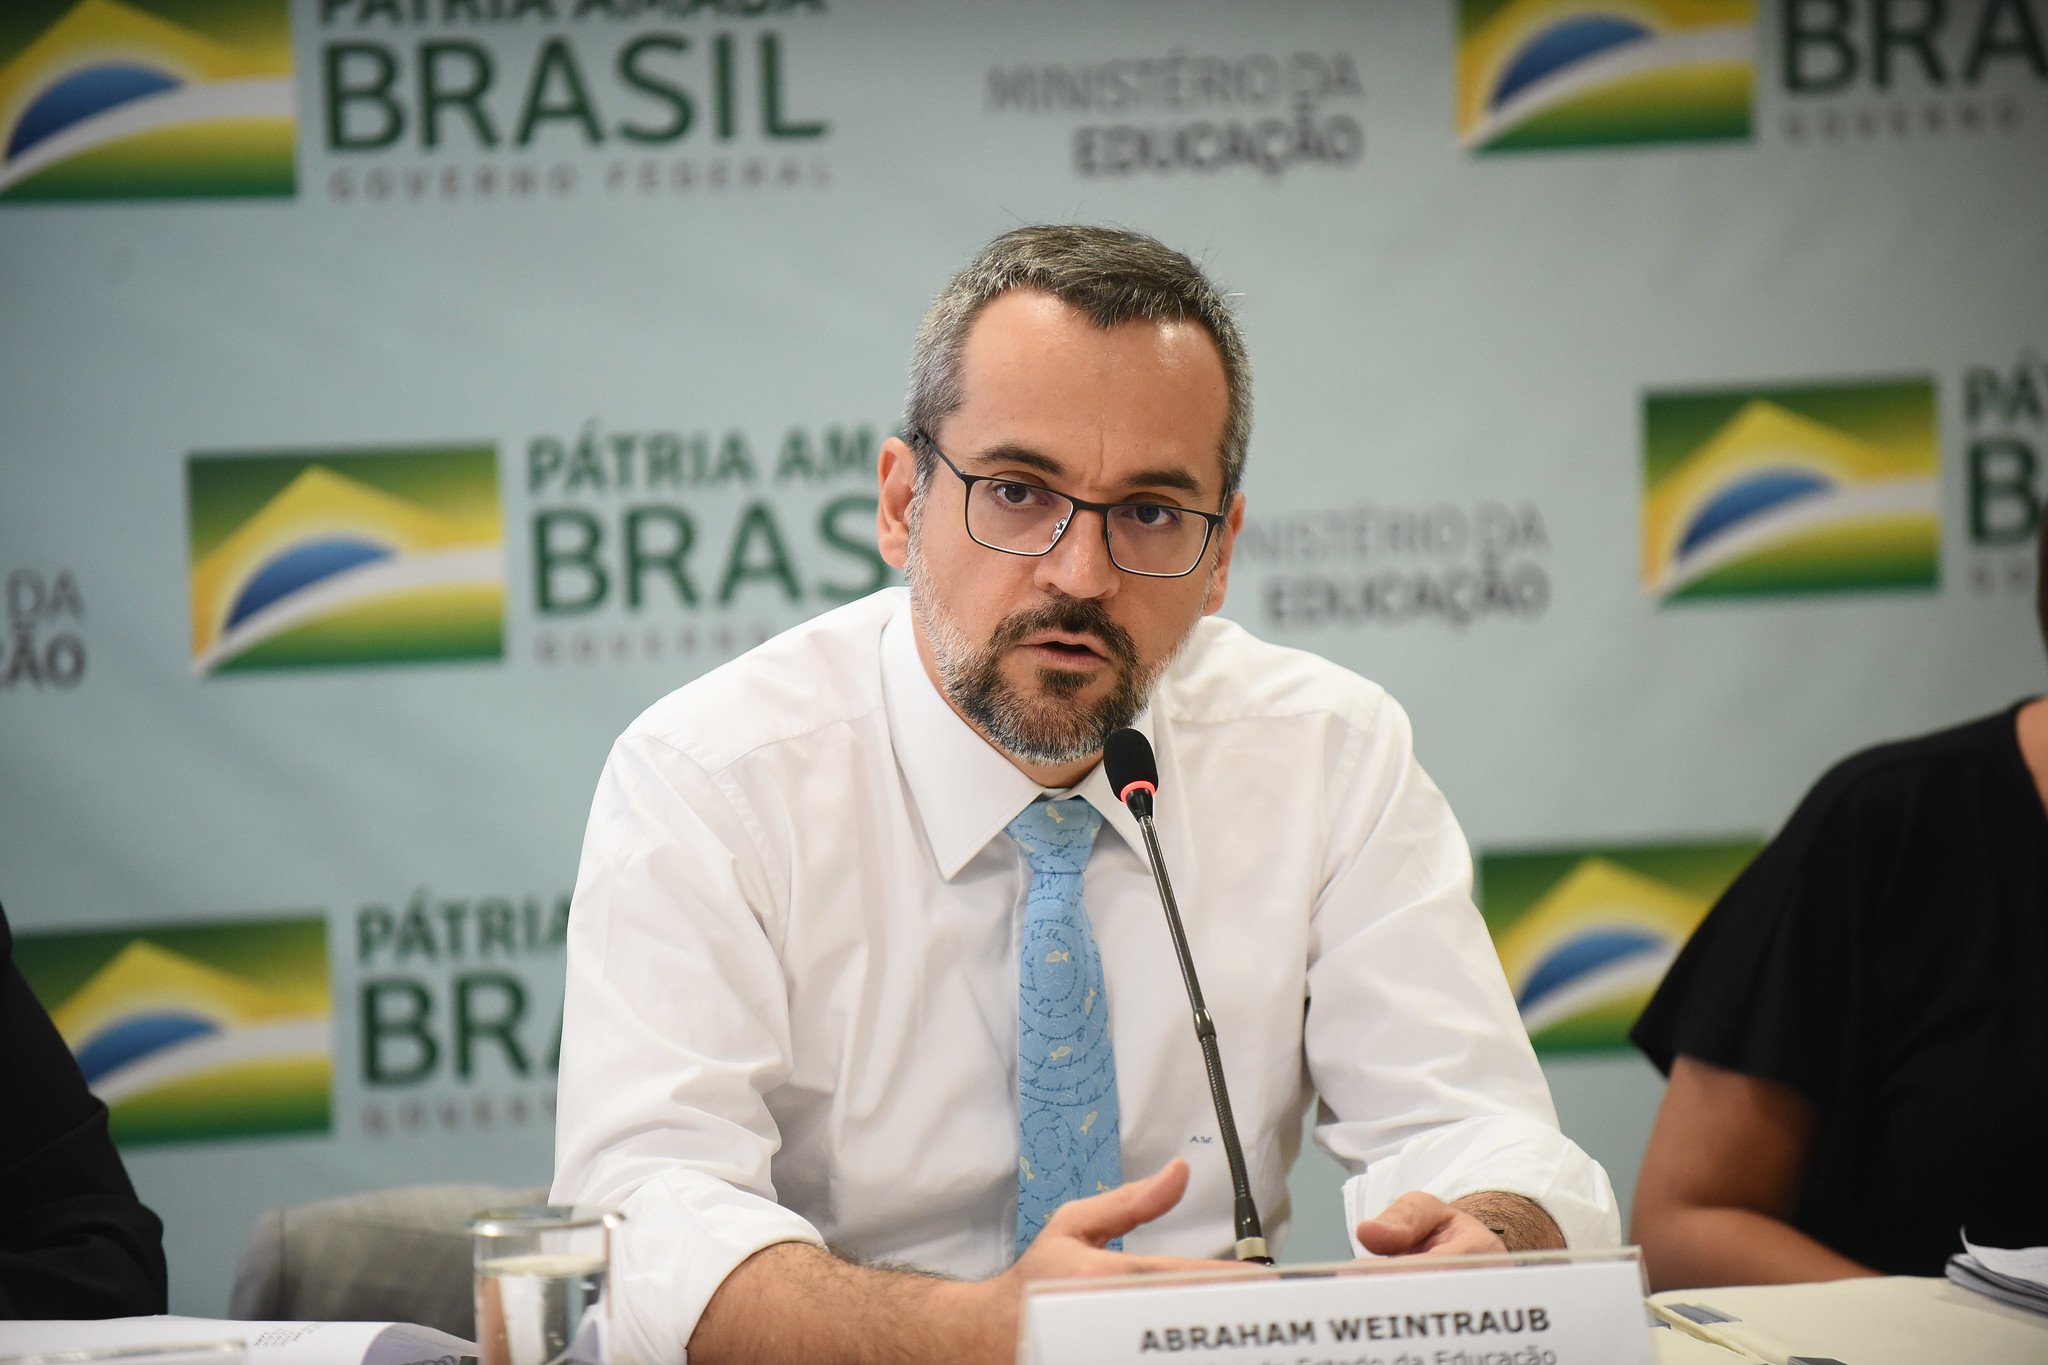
[791, 1008]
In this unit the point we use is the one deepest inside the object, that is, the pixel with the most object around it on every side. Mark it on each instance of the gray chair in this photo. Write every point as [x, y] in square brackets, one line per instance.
[390, 1255]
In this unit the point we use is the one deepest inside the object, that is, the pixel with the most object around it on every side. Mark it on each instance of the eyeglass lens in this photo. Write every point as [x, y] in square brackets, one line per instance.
[1144, 537]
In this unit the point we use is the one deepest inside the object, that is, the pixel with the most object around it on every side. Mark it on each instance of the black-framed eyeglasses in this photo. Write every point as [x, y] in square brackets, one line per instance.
[1151, 539]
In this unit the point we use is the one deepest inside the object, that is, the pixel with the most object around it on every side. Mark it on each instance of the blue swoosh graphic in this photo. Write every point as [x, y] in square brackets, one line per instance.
[1747, 498]
[1562, 45]
[1581, 954]
[298, 568]
[138, 1036]
[82, 94]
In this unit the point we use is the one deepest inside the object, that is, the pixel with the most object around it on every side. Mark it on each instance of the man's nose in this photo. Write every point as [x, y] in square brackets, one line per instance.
[1079, 564]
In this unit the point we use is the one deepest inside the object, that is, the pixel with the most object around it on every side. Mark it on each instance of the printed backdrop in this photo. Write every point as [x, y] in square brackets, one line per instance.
[398, 395]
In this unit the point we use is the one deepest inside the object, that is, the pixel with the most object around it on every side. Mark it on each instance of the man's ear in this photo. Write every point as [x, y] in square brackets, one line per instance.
[1233, 522]
[896, 477]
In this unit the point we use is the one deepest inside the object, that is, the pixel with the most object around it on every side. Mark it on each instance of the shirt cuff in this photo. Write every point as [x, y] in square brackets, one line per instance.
[1502, 1152]
[682, 1234]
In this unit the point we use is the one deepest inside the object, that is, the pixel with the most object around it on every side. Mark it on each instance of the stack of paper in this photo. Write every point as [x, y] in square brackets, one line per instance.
[263, 1343]
[2018, 1277]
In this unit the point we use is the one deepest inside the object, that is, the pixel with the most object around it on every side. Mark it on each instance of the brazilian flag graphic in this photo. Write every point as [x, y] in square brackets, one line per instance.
[1537, 75]
[146, 99]
[328, 558]
[195, 1031]
[1791, 489]
[1585, 935]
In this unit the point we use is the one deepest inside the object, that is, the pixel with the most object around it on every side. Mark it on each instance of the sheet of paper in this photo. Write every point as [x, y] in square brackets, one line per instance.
[1872, 1321]
[2020, 1263]
[1963, 1270]
[267, 1343]
[1672, 1347]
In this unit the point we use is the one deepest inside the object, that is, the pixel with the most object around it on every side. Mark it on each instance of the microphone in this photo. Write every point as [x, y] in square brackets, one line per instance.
[1134, 777]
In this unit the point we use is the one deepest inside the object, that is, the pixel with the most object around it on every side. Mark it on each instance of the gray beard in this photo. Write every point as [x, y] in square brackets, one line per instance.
[1050, 728]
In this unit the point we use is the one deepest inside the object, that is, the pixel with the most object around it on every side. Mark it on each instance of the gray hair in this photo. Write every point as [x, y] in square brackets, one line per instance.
[1112, 275]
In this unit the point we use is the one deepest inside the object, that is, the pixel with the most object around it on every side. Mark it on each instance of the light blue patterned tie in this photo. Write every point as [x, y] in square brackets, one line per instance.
[1066, 1073]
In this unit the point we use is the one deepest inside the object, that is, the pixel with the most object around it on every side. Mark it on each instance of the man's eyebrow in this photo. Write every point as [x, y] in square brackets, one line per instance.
[1023, 455]
[1177, 479]
[1164, 477]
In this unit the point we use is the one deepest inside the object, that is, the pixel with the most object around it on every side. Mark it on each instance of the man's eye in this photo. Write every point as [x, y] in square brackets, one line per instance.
[1150, 516]
[1015, 494]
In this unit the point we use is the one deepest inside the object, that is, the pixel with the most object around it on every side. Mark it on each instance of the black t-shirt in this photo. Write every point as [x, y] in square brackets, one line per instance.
[74, 1240]
[1887, 957]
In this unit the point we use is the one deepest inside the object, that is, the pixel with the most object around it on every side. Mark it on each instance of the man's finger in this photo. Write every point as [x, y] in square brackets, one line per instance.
[1403, 1224]
[1382, 1238]
[1131, 1204]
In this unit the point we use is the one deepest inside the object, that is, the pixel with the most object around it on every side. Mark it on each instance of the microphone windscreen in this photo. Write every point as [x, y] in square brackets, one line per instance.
[1127, 758]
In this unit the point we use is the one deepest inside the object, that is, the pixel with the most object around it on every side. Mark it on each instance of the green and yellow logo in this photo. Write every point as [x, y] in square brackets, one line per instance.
[195, 1031]
[146, 99]
[305, 559]
[1586, 935]
[1541, 74]
[1801, 489]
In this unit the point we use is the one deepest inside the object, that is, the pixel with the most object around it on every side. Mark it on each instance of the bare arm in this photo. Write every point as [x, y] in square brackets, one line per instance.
[1719, 1181]
[1519, 1222]
[799, 1303]
[795, 1301]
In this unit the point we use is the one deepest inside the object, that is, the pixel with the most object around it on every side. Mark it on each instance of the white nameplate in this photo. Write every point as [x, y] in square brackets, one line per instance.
[1551, 1308]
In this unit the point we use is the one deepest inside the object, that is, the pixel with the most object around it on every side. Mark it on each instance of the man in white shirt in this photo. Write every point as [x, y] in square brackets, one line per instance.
[795, 1052]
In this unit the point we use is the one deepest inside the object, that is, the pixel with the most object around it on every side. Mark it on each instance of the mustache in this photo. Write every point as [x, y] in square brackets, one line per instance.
[1070, 616]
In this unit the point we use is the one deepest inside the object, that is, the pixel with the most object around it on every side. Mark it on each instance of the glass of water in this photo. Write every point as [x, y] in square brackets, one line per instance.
[540, 1284]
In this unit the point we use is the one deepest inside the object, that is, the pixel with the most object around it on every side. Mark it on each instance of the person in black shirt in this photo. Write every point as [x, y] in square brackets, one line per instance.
[74, 1240]
[1857, 1035]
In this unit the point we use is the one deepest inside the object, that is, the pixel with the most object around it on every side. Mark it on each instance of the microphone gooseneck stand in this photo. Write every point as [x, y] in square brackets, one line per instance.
[1135, 787]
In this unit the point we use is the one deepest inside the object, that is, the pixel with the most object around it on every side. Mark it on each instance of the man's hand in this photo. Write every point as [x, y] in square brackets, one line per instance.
[795, 1302]
[1419, 1224]
[1073, 1246]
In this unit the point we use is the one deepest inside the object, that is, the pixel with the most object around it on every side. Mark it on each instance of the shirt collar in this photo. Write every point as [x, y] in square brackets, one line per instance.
[964, 789]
